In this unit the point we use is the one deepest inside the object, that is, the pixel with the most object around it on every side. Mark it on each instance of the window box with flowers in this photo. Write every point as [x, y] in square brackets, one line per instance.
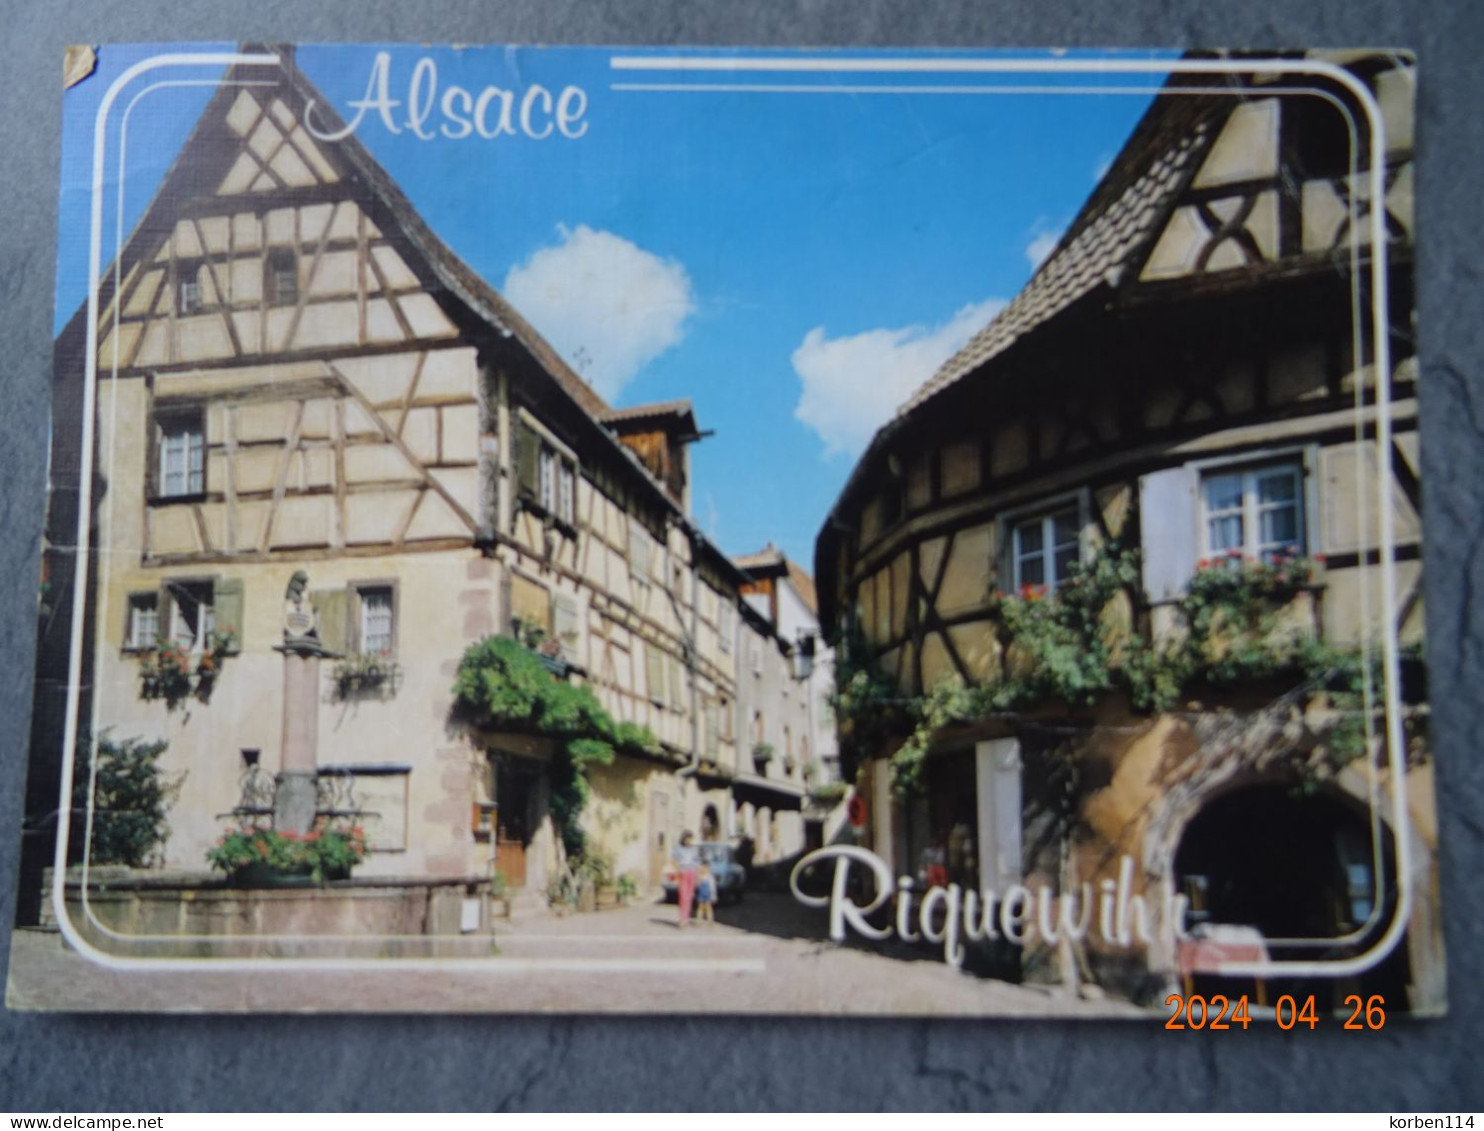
[171, 671]
[257, 857]
[364, 674]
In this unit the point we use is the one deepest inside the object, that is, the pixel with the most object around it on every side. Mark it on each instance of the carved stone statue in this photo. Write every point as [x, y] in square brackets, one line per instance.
[300, 623]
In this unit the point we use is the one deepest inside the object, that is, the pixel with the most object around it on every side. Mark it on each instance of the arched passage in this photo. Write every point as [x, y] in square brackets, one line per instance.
[710, 824]
[1302, 867]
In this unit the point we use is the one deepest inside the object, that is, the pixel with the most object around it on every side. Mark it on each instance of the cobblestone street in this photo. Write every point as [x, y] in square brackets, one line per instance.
[767, 955]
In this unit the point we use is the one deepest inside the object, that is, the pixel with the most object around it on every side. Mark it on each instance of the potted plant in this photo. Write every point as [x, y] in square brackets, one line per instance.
[627, 888]
[597, 890]
[762, 754]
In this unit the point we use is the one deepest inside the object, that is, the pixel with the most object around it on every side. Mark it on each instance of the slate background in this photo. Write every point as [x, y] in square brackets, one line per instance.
[145, 1064]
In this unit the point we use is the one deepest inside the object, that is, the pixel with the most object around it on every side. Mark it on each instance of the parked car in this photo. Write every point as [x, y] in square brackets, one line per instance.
[730, 876]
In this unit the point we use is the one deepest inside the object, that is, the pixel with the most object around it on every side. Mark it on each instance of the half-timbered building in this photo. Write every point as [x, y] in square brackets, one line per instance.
[300, 385]
[1185, 391]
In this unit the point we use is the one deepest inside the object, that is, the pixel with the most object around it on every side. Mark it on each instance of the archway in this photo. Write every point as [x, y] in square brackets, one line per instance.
[1301, 866]
[710, 824]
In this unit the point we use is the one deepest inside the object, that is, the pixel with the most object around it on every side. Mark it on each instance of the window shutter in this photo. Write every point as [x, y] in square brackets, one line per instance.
[565, 626]
[333, 609]
[656, 661]
[527, 459]
[166, 606]
[226, 599]
[1170, 531]
[713, 735]
[727, 624]
[677, 685]
[638, 549]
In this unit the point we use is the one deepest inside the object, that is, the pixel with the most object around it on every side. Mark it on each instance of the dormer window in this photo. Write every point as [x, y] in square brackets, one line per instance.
[283, 277]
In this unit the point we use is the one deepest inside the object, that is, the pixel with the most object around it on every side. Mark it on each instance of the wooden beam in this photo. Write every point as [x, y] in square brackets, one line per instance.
[291, 444]
[417, 376]
[396, 441]
[222, 299]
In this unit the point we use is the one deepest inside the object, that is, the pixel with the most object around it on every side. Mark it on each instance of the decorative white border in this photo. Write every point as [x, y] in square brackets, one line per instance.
[832, 65]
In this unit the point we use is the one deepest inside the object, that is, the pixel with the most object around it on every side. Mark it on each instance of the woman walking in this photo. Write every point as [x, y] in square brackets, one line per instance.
[687, 861]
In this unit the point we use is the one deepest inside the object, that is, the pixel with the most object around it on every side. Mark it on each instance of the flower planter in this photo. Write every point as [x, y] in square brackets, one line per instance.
[264, 876]
[607, 897]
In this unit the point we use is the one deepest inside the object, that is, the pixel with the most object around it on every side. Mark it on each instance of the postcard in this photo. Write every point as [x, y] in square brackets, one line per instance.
[734, 531]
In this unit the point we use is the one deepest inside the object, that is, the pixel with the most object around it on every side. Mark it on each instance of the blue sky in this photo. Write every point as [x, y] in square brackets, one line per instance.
[794, 262]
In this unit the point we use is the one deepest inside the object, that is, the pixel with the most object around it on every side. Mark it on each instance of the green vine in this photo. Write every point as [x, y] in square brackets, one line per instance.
[502, 685]
[1081, 643]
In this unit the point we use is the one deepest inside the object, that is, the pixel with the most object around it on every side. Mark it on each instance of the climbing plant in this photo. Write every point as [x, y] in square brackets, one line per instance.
[1075, 645]
[503, 685]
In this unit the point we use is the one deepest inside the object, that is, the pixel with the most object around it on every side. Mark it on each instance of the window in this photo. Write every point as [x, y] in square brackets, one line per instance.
[566, 500]
[1254, 512]
[192, 614]
[283, 277]
[727, 627]
[181, 440]
[377, 619]
[1044, 548]
[189, 298]
[547, 473]
[143, 628]
[546, 492]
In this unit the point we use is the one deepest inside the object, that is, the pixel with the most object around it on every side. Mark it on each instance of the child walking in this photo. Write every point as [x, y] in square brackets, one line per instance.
[705, 894]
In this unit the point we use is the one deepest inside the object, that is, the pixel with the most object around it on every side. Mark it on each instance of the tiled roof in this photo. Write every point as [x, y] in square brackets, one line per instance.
[643, 411]
[770, 556]
[1108, 237]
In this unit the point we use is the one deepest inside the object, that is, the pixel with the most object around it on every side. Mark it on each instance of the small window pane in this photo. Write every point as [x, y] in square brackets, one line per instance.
[566, 495]
[1225, 533]
[1032, 570]
[1281, 487]
[1028, 537]
[1066, 558]
[376, 620]
[546, 492]
[1279, 527]
[1223, 492]
[1065, 528]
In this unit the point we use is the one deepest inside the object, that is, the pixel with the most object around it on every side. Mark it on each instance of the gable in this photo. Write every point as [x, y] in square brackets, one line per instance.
[1277, 185]
[260, 245]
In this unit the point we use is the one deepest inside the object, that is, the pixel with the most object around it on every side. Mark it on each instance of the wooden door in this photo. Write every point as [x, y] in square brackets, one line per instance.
[512, 824]
[659, 835]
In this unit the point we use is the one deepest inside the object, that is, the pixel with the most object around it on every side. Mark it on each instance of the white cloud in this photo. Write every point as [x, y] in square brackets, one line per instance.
[1040, 247]
[607, 306]
[853, 384]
